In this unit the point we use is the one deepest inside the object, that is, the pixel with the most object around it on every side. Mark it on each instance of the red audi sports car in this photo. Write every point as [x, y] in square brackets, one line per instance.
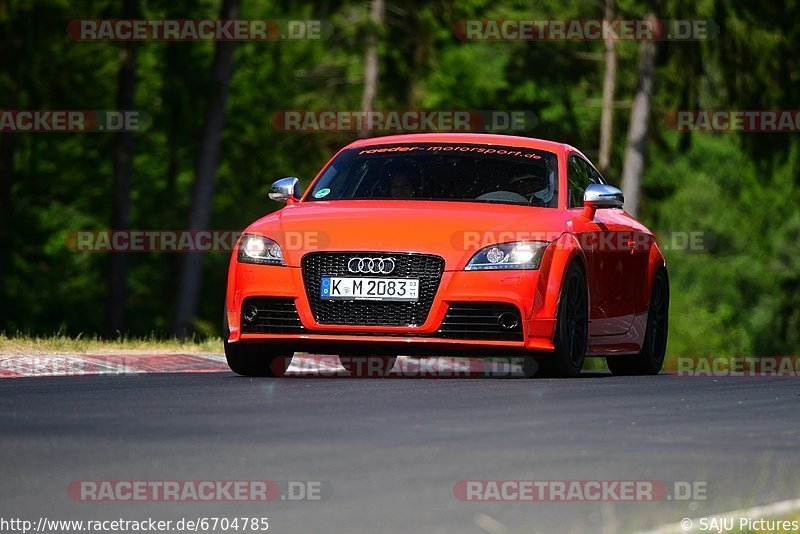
[449, 244]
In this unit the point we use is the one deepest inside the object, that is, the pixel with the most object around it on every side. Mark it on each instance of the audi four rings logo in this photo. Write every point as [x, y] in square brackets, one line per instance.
[371, 265]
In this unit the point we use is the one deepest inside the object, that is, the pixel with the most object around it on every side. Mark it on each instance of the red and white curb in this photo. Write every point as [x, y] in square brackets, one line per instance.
[58, 364]
[64, 364]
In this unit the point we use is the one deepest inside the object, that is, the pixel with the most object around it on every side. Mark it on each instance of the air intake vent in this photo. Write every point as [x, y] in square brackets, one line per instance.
[262, 315]
[485, 321]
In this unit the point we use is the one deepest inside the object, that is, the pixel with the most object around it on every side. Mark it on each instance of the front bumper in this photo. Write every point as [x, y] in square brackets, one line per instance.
[525, 290]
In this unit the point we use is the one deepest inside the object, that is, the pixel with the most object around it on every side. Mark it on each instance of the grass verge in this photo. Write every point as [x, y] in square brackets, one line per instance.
[25, 344]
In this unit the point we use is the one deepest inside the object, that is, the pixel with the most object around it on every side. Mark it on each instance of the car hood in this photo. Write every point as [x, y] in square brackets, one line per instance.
[453, 230]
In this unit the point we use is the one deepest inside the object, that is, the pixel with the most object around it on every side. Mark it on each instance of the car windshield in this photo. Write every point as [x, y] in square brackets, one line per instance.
[443, 171]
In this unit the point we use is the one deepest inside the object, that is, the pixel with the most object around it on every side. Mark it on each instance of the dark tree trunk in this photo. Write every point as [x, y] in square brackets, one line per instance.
[609, 84]
[173, 101]
[371, 59]
[190, 280]
[633, 168]
[7, 147]
[123, 169]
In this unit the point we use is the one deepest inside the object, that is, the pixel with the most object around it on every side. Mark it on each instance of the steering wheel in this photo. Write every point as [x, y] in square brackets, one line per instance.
[504, 196]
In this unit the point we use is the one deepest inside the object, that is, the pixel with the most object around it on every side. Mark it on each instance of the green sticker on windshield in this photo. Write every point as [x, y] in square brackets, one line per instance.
[322, 193]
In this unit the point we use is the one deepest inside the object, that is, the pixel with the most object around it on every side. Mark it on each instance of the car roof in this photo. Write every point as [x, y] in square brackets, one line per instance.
[466, 138]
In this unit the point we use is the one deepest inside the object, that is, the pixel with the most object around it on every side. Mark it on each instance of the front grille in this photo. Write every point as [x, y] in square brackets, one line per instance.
[480, 321]
[272, 316]
[427, 268]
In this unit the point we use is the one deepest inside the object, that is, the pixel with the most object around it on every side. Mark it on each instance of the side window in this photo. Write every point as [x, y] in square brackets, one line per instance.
[596, 177]
[579, 180]
[579, 175]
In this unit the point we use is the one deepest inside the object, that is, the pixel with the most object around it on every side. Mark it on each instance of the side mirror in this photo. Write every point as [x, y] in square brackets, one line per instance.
[599, 196]
[285, 189]
[603, 196]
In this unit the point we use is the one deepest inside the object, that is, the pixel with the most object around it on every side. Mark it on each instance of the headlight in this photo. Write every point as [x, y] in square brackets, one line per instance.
[259, 249]
[519, 255]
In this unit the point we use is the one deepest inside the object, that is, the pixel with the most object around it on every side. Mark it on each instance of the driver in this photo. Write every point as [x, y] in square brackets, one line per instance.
[403, 178]
[535, 188]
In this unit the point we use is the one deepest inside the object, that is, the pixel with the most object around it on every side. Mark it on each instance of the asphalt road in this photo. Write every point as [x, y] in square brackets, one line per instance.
[392, 450]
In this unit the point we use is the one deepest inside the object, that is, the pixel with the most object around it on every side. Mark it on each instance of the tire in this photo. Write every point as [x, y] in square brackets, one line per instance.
[530, 366]
[255, 359]
[572, 328]
[651, 358]
[367, 366]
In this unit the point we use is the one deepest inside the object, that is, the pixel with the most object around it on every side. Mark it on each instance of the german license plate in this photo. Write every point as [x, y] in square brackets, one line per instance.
[345, 288]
